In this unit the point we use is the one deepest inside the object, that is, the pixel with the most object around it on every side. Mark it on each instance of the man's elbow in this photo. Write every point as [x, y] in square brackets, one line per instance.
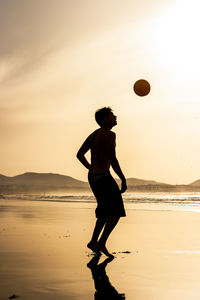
[79, 155]
[113, 161]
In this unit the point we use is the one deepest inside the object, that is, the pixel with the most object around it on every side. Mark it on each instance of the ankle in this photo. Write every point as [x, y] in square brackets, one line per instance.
[92, 242]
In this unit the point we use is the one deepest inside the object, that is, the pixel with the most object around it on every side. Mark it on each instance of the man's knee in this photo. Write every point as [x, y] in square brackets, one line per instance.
[113, 219]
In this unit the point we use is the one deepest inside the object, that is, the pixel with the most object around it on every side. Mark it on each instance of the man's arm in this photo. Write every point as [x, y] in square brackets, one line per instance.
[81, 152]
[114, 161]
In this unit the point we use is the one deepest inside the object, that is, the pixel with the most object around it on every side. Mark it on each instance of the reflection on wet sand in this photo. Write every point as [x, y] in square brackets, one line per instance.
[103, 287]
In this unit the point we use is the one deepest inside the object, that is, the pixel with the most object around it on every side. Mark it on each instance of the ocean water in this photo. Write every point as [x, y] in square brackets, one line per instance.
[187, 201]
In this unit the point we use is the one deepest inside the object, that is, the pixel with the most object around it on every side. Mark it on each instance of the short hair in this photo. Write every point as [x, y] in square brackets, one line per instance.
[102, 113]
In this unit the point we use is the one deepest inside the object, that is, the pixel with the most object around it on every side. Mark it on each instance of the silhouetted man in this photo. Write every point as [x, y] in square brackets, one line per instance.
[109, 200]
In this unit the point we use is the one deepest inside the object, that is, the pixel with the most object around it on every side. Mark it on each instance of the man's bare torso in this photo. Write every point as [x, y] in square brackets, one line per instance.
[101, 144]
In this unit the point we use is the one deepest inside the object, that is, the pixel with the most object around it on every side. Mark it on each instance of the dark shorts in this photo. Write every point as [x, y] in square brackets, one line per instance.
[107, 194]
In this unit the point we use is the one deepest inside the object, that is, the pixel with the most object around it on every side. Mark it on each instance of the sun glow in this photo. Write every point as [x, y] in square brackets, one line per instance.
[178, 40]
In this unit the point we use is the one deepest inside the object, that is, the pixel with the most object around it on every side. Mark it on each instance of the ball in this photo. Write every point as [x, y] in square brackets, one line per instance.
[141, 87]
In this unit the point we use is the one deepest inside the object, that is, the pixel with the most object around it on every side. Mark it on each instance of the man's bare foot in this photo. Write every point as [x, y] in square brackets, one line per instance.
[103, 249]
[94, 247]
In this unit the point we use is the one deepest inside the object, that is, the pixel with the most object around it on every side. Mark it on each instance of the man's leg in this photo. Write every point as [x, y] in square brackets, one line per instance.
[97, 230]
[110, 224]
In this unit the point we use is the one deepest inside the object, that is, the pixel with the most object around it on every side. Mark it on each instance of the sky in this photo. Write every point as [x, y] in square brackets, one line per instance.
[61, 60]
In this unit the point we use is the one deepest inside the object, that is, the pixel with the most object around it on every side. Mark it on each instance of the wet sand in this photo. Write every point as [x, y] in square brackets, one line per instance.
[43, 253]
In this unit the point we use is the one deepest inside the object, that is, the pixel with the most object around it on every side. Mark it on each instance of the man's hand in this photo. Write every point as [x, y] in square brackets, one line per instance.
[123, 186]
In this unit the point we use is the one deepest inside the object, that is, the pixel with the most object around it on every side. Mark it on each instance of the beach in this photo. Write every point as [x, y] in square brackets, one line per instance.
[43, 253]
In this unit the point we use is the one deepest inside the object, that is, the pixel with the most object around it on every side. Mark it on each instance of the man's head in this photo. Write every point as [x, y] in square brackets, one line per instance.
[105, 117]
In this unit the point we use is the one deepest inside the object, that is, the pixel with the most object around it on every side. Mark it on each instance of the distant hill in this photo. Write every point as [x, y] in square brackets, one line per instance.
[40, 182]
[195, 183]
[135, 184]
[31, 182]
[4, 179]
[51, 179]
[136, 181]
[41, 179]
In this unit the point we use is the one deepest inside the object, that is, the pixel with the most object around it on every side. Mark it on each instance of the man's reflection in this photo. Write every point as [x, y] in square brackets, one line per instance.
[104, 289]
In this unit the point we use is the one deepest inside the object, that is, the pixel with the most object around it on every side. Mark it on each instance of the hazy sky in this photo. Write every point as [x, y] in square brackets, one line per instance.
[62, 60]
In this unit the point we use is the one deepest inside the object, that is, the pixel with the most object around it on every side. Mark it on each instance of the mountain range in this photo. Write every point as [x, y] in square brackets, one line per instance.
[50, 182]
